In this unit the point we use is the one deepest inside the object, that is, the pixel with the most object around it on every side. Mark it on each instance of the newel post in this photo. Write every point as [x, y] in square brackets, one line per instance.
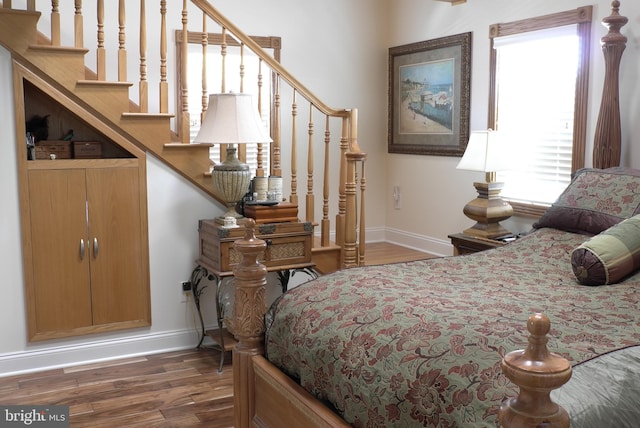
[537, 372]
[248, 322]
[351, 250]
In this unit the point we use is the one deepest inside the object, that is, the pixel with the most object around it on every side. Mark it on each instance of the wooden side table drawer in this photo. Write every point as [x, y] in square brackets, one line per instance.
[288, 243]
[280, 250]
[463, 244]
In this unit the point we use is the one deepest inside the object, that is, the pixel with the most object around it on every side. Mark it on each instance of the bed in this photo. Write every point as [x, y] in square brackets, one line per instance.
[460, 341]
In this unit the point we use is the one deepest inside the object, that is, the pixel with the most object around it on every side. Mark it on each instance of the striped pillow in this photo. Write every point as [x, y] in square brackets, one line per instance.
[610, 256]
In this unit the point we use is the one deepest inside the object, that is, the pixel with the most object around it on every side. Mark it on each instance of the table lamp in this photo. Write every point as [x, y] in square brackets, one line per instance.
[232, 119]
[486, 152]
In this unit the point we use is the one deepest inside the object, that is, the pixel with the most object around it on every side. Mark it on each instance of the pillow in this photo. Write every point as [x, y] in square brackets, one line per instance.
[610, 256]
[595, 200]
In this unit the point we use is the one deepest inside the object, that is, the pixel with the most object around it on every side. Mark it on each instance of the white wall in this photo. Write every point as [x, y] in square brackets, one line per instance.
[434, 192]
[336, 49]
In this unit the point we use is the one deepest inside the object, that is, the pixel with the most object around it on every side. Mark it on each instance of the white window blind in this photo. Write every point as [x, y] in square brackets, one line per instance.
[536, 84]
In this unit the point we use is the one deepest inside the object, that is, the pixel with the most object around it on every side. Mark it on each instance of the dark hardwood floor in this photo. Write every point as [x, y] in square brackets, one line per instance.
[175, 389]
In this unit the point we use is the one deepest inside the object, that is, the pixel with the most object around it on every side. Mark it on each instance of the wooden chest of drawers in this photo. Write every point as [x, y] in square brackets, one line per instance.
[288, 245]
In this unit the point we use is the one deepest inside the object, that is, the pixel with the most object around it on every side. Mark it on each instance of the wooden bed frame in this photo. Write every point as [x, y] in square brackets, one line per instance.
[266, 397]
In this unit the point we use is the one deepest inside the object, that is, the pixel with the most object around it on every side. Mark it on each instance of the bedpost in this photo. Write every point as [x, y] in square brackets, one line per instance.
[607, 139]
[248, 322]
[536, 371]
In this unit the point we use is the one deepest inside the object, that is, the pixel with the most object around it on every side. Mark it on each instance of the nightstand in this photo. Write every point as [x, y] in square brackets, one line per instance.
[288, 252]
[464, 244]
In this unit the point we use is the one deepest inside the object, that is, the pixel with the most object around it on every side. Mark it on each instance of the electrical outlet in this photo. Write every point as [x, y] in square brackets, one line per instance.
[185, 291]
[396, 197]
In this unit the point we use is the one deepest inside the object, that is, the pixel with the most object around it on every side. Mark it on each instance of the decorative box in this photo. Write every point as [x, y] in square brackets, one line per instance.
[60, 148]
[87, 149]
[284, 211]
[288, 245]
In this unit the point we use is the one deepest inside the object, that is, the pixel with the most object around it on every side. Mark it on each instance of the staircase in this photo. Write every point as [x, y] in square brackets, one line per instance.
[62, 72]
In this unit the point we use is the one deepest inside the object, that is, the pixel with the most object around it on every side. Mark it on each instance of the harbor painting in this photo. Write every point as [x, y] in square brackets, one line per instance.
[426, 97]
[429, 87]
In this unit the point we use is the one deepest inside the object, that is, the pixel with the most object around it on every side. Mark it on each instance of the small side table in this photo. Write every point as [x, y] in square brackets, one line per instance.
[464, 244]
[221, 337]
[288, 252]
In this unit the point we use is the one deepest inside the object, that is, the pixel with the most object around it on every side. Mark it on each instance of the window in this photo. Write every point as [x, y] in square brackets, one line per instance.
[539, 70]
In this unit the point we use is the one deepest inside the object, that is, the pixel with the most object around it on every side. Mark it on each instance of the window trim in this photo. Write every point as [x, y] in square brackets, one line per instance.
[581, 16]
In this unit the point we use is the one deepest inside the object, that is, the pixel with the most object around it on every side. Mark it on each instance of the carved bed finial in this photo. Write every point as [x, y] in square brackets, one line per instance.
[248, 320]
[536, 371]
[608, 138]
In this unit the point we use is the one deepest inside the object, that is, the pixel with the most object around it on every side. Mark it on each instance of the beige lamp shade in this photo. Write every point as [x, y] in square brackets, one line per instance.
[486, 151]
[231, 119]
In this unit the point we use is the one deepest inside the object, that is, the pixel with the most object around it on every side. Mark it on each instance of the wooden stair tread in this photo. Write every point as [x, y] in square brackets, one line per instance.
[317, 245]
[18, 12]
[134, 115]
[327, 258]
[90, 82]
[187, 146]
[65, 49]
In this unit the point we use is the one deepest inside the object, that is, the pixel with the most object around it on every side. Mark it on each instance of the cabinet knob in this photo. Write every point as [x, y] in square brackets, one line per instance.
[82, 248]
[95, 247]
[268, 242]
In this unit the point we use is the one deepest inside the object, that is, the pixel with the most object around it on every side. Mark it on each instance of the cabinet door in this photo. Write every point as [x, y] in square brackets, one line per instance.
[119, 282]
[62, 296]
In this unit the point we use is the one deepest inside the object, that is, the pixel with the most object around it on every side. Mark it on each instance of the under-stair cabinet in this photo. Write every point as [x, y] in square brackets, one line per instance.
[84, 221]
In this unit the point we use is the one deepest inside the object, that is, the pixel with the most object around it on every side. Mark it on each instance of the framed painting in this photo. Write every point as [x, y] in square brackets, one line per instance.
[429, 91]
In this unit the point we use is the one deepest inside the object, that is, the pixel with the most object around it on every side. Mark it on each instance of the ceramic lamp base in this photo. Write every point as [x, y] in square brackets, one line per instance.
[231, 179]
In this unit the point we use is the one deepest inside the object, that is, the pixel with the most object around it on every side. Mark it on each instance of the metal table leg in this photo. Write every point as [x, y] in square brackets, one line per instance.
[285, 276]
[196, 276]
[220, 284]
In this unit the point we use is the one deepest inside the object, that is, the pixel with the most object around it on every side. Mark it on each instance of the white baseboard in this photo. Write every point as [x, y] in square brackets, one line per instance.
[437, 247]
[427, 244]
[98, 351]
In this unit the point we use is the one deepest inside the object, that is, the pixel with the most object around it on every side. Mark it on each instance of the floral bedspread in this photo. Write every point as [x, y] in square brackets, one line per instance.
[420, 343]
